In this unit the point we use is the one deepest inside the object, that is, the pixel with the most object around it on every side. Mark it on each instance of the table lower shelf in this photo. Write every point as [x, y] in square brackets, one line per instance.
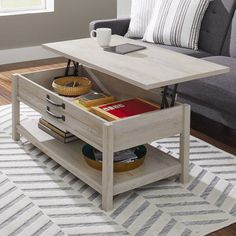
[157, 165]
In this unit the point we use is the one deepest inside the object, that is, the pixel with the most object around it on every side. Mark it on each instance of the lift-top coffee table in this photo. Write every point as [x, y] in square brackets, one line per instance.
[139, 74]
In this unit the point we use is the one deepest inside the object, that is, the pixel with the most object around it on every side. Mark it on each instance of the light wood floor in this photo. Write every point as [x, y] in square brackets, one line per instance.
[6, 72]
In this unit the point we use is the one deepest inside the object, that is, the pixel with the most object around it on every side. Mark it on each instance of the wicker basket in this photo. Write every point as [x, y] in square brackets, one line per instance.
[59, 86]
[140, 152]
[118, 166]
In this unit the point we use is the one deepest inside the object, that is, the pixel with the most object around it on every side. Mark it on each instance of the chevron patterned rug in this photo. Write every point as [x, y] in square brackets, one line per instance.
[39, 197]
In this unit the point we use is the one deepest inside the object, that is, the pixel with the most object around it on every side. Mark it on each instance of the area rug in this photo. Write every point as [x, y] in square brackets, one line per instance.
[39, 197]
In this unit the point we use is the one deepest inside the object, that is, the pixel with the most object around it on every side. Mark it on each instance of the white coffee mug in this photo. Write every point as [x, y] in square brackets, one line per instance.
[102, 35]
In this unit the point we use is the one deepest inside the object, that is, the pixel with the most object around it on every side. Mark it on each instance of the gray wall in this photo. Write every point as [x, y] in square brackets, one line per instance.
[123, 8]
[69, 21]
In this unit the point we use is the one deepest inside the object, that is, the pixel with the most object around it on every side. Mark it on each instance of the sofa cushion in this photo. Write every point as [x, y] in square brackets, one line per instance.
[141, 13]
[186, 51]
[176, 23]
[215, 25]
[217, 92]
[229, 48]
[220, 116]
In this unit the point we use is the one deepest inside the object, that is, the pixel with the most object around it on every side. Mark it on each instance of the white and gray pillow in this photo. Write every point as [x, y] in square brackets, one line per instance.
[141, 14]
[176, 22]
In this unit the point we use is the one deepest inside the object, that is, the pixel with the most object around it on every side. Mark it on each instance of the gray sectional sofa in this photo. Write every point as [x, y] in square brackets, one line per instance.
[213, 99]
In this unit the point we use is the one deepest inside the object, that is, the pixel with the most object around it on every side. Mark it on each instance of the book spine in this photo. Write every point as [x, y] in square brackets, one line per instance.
[55, 135]
[97, 102]
[71, 139]
[50, 132]
[55, 129]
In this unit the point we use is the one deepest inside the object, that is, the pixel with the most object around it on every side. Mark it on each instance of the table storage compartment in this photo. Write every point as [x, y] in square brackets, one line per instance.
[35, 89]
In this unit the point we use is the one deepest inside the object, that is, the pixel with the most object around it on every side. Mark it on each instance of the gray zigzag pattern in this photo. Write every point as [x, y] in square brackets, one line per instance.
[19, 215]
[162, 208]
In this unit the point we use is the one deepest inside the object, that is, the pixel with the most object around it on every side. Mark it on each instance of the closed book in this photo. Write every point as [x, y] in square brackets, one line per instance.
[81, 106]
[70, 139]
[55, 129]
[123, 109]
[55, 135]
[94, 98]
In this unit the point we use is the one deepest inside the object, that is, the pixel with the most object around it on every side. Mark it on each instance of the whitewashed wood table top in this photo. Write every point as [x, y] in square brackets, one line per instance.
[151, 68]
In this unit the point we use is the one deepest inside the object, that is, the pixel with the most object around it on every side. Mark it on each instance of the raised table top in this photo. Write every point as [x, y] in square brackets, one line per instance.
[151, 68]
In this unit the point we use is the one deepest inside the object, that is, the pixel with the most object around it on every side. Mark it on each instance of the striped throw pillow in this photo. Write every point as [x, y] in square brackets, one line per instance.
[176, 23]
[141, 13]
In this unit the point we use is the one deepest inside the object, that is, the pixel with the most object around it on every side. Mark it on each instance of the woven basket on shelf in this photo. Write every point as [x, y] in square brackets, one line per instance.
[84, 85]
[140, 152]
[118, 167]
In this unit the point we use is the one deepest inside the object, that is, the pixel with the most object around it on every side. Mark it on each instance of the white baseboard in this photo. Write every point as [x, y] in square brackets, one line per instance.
[9, 56]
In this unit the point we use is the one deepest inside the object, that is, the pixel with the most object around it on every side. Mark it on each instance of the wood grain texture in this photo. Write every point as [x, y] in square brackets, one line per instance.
[34, 89]
[107, 168]
[15, 108]
[5, 98]
[147, 127]
[184, 145]
[6, 72]
[151, 68]
[70, 157]
[157, 165]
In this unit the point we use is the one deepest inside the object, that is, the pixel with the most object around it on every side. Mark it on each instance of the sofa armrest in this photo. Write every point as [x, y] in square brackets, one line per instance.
[118, 26]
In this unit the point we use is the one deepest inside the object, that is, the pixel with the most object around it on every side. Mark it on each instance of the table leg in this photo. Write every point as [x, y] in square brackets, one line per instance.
[15, 108]
[184, 145]
[107, 168]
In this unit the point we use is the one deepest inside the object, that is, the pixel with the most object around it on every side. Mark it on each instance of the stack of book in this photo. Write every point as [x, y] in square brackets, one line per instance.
[63, 136]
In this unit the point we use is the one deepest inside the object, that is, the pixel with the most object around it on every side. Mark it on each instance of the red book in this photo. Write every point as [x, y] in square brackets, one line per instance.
[126, 108]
